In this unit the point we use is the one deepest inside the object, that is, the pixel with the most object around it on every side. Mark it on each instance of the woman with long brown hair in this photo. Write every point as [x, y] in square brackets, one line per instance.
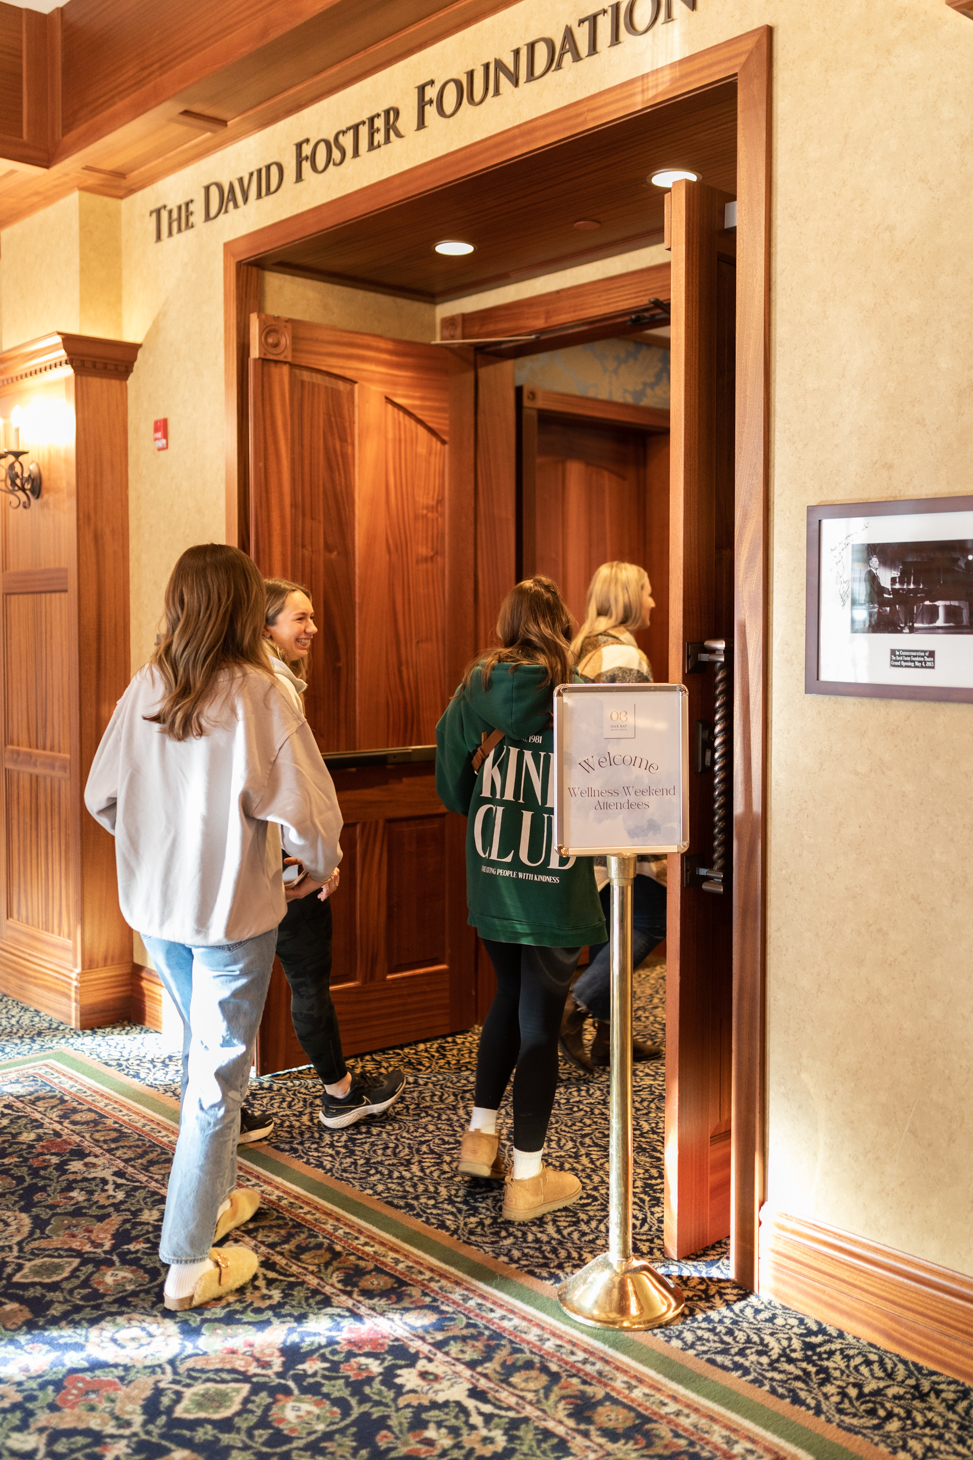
[533, 909]
[201, 763]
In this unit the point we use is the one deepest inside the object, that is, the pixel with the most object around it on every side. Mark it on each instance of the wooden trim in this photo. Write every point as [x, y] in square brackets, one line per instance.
[84, 999]
[146, 998]
[37, 762]
[643, 418]
[78, 353]
[747, 59]
[35, 580]
[908, 1305]
[964, 7]
[241, 299]
[750, 656]
[593, 301]
[813, 685]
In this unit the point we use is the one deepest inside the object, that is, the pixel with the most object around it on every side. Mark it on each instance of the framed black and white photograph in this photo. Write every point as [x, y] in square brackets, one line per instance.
[890, 599]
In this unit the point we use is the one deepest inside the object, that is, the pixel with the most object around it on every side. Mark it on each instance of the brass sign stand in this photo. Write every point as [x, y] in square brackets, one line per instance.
[618, 1290]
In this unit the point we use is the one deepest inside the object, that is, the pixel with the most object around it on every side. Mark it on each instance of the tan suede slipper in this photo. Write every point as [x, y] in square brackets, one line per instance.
[232, 1267]
[244, 1201]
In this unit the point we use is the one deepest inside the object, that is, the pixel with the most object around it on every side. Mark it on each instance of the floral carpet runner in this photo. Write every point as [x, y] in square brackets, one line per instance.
[365, 1334]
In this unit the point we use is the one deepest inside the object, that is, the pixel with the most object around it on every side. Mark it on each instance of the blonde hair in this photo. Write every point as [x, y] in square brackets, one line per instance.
[278, 591]
[534, 627]
[214, 619]
[614, 601]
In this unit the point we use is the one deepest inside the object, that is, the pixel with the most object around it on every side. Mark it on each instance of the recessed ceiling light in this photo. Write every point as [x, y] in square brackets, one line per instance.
[670, 175]
[585, 225]
[453, 247]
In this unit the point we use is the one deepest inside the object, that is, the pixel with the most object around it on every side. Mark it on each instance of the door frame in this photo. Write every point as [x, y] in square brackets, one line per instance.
[745, 59]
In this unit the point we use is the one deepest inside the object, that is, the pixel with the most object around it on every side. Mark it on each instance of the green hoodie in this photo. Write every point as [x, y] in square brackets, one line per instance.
[519, 889]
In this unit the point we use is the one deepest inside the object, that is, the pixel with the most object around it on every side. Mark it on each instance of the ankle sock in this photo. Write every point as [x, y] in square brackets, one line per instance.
[182, 1277]
[527, 1164]
[224, 1208]
[484, 1120]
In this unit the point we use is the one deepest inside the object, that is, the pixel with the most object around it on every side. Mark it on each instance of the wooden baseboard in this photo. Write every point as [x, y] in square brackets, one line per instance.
[910, 1306]
[84, 998]
[146, 1003]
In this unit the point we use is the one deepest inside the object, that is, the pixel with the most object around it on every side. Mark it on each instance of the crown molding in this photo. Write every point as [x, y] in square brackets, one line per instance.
[58, 351]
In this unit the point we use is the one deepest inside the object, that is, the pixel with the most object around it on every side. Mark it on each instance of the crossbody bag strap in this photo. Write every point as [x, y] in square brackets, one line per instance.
[487, 743]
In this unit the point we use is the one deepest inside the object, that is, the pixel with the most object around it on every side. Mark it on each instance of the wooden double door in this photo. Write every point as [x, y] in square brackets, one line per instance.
[408, 486]
[361, 475]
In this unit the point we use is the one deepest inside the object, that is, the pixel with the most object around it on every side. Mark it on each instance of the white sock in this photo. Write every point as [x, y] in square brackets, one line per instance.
[224, 1208]
[527, 1164]
[182, 1277]
[484, 1120]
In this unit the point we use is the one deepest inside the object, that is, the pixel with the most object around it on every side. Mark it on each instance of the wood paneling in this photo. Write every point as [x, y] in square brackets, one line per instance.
[64, 661]
[11, 71]
[750, 656]
[601, 298]
[699, 925]
[357, 474]
[496, 493]
[146, 1000]
[900, 1302]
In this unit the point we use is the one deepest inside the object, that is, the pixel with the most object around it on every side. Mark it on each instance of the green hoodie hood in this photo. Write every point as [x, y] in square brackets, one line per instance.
[519, 889]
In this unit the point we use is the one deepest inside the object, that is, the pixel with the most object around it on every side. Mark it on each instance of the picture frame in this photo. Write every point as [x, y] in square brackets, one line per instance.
[889, 610]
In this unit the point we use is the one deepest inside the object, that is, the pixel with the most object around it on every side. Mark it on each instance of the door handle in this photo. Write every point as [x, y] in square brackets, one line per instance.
[715, 878]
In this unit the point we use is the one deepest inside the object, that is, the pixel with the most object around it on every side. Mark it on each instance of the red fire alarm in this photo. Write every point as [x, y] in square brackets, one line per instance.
[160, 434]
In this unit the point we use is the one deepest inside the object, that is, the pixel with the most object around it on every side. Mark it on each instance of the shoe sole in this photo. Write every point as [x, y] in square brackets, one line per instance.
[549, 1206]
[477, 1168]
[361, 1112]
[250, 1138]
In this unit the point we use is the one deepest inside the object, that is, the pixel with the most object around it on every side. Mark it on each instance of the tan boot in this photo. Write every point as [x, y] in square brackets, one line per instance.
[542, 1193]
[244, 1201]
[479, 1155]
[232, 1267]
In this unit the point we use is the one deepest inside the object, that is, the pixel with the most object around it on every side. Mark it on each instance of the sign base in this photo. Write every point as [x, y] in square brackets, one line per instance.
[621, 1294]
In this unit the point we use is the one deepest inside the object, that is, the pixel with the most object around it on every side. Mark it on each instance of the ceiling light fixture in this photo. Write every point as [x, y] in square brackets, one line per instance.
[453, 247]
[670, 175]
[587, 225]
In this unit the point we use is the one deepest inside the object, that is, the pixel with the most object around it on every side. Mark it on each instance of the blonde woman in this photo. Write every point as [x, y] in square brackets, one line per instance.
[304, 937]
[203, 770]
[619, 603]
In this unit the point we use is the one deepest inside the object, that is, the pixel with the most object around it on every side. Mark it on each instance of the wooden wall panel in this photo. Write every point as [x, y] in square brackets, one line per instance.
[344, 939]
[11, 71]
[417, 925]
[64, 662]
[323, 443]
[415, 469]
[37, 832]
[496, 493]
[36, 646]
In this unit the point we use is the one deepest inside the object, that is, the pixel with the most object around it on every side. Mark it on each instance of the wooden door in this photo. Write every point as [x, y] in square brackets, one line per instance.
[361, 470]
[699, 979]
[594, 480]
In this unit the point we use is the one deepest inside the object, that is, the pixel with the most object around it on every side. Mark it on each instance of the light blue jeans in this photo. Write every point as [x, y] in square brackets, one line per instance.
[220, 994]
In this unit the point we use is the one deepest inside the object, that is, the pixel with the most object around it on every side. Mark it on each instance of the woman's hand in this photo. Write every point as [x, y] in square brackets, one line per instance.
[330, 886]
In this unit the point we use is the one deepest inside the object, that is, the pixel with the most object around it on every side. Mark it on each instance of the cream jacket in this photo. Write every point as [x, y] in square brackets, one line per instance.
[198, 861]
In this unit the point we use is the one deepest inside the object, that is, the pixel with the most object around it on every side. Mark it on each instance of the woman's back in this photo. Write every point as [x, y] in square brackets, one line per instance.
[196, 862]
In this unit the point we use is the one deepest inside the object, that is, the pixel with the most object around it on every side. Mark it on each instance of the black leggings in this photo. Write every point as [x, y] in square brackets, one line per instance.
[521, 1030]
[304, 950]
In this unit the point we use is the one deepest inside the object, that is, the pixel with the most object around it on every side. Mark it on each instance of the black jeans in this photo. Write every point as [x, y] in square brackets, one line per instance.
[304, 950]
[593, 988]
[522, 1029]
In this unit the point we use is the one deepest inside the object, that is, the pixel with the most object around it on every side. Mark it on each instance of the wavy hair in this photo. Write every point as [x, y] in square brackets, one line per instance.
[534, 627]
[214, 620]
[614, 601]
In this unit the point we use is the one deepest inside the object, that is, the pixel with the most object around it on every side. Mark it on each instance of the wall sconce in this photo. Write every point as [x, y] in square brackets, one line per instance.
[22, 484]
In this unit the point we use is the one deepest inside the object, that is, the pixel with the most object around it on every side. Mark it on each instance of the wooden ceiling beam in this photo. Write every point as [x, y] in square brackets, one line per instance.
[114, 101]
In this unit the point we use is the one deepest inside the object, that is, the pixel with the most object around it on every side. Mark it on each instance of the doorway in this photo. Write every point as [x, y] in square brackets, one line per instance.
[492, 554]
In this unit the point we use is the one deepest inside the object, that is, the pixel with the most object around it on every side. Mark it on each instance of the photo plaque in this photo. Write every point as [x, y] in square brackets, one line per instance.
[890, 599]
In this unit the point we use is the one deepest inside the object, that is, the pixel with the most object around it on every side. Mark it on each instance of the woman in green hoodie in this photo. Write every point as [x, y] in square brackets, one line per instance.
[534, 909]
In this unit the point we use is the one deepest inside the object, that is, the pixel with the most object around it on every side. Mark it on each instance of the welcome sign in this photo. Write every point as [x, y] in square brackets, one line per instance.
[620, 755]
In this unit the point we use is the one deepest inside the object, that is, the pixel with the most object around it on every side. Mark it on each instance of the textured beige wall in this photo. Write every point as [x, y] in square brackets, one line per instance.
[40, 279]
[100, 266]
[870, 1042]
[347, 309]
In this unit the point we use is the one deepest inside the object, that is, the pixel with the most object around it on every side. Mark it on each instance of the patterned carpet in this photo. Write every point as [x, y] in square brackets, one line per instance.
[360, 1336]
[406, 1160]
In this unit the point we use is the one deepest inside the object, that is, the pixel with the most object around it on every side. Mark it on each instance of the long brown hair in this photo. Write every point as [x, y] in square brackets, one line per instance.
[214, 615]
[278, 591]
[534, 627]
